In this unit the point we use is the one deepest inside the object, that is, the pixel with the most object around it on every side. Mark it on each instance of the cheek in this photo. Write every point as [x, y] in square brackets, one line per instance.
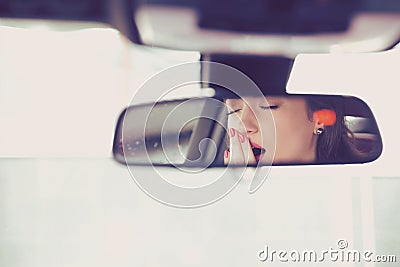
[293, 136]
[267, 135]
[234, 122]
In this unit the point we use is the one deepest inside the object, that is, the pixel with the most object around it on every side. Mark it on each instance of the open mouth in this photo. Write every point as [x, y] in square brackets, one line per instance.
[258, 151]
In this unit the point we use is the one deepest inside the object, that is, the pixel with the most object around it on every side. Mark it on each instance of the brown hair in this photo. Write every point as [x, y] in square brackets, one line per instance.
[336, 143]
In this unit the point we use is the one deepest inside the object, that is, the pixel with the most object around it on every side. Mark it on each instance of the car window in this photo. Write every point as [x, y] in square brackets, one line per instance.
[55, 83]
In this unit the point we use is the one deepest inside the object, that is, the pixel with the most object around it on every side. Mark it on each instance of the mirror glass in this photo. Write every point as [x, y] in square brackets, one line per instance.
[249, 131]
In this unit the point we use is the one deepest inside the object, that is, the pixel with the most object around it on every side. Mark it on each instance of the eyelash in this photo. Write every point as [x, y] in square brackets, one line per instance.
[263, 107]
[270, 107]
[234, 111]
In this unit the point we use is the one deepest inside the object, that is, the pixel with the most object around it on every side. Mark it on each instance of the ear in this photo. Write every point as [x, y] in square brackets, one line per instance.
[322, 118]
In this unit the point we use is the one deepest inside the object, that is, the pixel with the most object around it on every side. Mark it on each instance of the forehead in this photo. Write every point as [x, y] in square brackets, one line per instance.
[258, 100]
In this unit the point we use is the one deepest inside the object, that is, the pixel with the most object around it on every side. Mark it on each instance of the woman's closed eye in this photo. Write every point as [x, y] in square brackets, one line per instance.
[233, 111]
[270, 107]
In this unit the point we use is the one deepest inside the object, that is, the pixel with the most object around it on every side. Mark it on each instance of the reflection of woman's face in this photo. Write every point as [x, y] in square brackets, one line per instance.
[295, 140]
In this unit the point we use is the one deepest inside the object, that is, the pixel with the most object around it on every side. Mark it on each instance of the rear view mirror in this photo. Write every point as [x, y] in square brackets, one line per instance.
[277, 130]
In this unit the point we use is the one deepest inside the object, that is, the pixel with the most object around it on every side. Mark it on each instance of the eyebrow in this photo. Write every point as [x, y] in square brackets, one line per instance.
[274, 98]
[233, 102]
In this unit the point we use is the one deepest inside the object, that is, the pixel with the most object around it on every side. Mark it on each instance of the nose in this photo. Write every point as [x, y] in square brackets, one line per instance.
[249, 120]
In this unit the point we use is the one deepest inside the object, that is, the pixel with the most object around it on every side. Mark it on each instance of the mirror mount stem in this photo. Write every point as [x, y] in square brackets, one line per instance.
[121, 18]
